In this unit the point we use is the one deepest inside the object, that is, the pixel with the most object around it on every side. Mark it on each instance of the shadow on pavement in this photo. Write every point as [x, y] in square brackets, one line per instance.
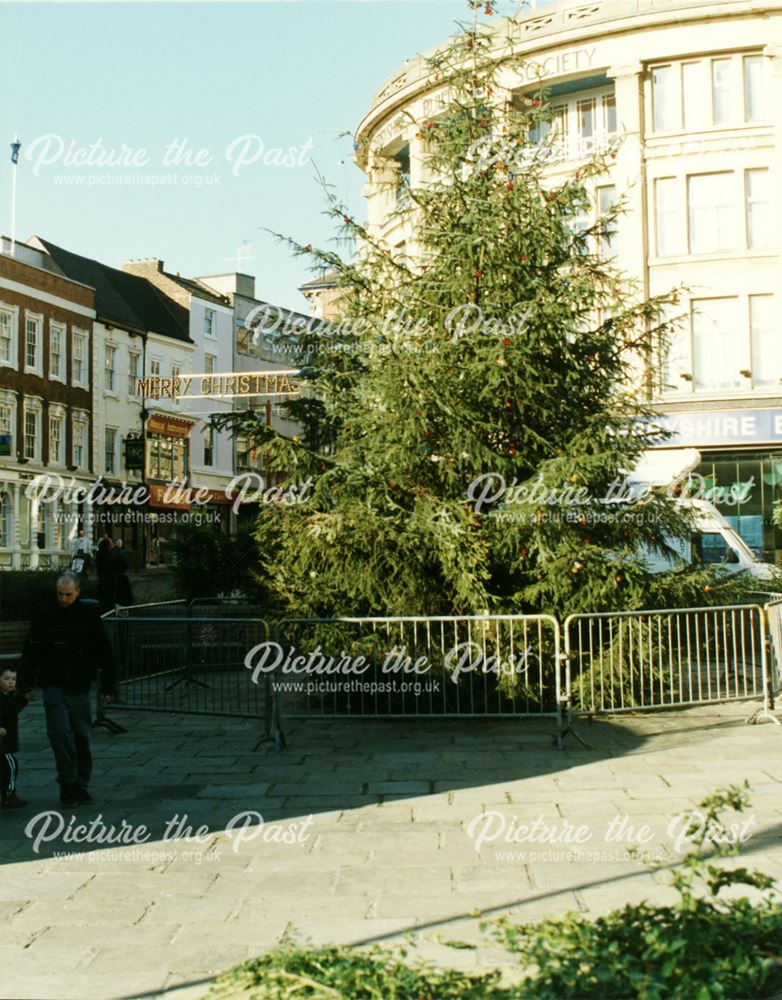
[174, 774]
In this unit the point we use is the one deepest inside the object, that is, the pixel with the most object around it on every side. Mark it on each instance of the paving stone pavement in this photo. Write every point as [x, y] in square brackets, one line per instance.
[370, 829]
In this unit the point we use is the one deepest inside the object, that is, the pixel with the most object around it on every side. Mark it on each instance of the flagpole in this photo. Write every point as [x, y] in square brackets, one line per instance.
[14, 158]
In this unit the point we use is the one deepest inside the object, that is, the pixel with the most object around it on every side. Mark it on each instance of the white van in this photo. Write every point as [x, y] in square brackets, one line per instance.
[712, 541]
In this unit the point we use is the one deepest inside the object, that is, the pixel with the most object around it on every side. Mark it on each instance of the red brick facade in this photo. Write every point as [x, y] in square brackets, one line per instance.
[30, 289]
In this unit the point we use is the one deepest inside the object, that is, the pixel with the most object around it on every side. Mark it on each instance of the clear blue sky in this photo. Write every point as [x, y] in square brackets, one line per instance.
[149, 74]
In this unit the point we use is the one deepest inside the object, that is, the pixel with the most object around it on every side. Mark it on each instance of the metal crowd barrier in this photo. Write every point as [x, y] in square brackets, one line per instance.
[411, 667]
[189, 662]
[634, 660]
[773, 686]
[217, 657]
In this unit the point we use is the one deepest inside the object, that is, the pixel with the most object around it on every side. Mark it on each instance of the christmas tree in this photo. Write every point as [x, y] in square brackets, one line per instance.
[468, 422]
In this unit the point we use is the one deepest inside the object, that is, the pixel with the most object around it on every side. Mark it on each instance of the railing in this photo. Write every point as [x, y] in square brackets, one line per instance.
[627, 661]
[216, 657]
[444, 666]
[189, 662]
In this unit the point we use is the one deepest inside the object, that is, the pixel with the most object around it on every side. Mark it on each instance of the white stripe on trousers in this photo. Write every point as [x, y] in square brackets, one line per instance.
[10, 761]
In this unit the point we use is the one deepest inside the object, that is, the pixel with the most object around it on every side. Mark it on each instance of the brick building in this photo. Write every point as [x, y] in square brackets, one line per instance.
[46, 406]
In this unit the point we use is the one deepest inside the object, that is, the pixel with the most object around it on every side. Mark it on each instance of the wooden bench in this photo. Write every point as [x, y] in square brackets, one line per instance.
[12, 639]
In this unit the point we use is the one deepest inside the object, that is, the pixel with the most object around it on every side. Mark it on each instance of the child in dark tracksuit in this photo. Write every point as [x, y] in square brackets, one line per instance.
[11, 704]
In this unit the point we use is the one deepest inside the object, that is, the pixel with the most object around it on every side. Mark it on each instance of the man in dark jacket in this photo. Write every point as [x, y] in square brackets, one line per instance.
[66, 649]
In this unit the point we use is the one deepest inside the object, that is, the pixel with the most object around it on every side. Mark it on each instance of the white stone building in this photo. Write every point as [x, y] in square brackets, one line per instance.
[694, 92]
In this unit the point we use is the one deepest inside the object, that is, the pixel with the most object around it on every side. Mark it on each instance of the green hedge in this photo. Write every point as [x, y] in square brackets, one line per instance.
[705, 947]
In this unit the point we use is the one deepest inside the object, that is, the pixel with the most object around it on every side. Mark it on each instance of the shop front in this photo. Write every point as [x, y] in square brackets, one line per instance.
[741, 468]
[166, 464]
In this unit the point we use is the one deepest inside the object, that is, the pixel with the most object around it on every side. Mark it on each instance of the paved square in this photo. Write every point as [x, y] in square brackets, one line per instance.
[370, 829]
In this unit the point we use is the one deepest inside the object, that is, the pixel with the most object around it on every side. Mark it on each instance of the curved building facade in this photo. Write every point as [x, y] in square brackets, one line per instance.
[692, 94]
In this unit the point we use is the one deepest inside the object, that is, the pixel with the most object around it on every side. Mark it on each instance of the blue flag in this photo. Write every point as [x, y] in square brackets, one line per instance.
[15, 147]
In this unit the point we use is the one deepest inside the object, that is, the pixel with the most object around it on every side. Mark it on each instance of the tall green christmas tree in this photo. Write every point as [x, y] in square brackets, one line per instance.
[507, 354]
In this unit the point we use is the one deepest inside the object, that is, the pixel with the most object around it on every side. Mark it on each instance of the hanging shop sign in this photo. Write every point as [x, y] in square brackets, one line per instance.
[134, 454]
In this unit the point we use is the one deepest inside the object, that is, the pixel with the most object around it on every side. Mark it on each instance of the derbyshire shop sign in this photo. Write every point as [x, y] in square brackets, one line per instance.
[722, 427]
[276, 383]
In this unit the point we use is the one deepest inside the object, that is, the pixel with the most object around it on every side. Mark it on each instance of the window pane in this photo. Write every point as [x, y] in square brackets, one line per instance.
[606, 196]
[56, 348]
[765, 342]
[609, 112]
[694, 95]
[31, 343]
[6, 336]
[30, 433]
[676, 357]
[759, 232]
[110, 352]
[55, 439]
[712, 212]
[721, 90]
[5, 533]
[586, 119]
[754, 96]
[180, 464]
[663, 105]
[7, 430]
[717, 358]
[668, 221]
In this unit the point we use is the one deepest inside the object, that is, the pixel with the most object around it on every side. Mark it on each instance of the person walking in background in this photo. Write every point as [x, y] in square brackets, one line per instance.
[82, 556]
[106, 568]
[66, 649]
[123, 594]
